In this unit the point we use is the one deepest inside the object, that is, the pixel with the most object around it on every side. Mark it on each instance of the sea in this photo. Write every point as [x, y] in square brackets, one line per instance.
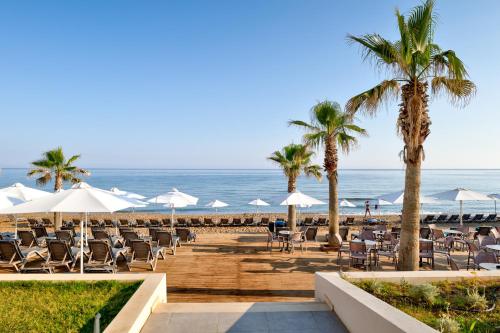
[238, 187]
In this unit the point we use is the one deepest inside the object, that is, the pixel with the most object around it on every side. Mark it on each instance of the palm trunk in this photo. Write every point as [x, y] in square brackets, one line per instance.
[292, 211]
[410, 225]
[58, 185]
[413, 124]
[330, 164]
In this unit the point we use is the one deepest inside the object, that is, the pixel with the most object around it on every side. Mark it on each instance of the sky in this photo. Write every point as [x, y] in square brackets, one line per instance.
[212, 84]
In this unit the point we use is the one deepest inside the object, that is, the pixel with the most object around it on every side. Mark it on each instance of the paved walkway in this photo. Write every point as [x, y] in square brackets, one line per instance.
[303, 317]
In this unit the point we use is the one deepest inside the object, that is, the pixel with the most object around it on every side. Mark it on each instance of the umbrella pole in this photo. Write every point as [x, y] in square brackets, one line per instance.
[461, 212]
[81, 244]
[172, 219]
[15, 232]
[495, 201]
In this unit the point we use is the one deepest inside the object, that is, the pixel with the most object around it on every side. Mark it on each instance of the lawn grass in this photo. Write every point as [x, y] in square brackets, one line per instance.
[461, 306]
[70, 306]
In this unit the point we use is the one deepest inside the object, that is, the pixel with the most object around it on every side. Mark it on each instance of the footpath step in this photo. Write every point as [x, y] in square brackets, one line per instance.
[294, 317]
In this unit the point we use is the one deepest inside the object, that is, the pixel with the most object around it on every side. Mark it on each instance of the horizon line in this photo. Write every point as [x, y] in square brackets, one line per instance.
[263, 169]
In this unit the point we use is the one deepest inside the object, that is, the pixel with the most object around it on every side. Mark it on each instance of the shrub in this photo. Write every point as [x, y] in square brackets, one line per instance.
[425, 293]
[448, 325]
[475, 300]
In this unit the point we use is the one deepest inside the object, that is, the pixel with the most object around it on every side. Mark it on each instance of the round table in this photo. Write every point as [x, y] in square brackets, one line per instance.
[286, 234]
[493, 247]
[490, 266]
[452, 232]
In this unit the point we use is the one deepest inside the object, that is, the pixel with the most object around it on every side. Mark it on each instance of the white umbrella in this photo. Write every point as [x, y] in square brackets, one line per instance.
[461, 194]
[24, 193]
[257, 203]
[129, 195]
[8, 201]
[298, 198]
[81, 198]
[346, 203]
[216, 204]
[495, 197]
[397, 198]
[174, 199]
[189, 198]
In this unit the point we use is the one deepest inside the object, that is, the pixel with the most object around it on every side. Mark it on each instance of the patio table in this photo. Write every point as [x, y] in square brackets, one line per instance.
[452, 232]
[493, 247]
[286, 237]
[490, 266]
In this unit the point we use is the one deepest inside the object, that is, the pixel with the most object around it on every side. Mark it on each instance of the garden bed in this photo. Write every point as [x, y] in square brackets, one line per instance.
[470, 305]
[66, 306]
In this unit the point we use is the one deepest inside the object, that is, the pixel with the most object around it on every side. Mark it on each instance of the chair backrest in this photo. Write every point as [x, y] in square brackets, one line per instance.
[264, 220]
[208, 221]
[486, 240]
[249, 220]
[478, 217]
[366, 235]
[311, 233]
[465, 217]
[154, 222]
[495, 233]
[491, 217]
[429, 218]
[46, 221]
[485, 258]
[141, 250]
[166, 222]
[224, 221]
[442, 217]
[181, 221]
[237, 221]
[95, 223]
[9, 250]
[453, 218]
[100, 251]
[471, 247]
[381, 227]
[59, 250]
[322, 221]
[130, 236]
[437, 233]
[448, 242]
[40, 231]
[425, 233]
[123, 230]
[426, 247]
[65, 235]
[164, 238]
[297, 236]
[27, 238]
[100, 234]
[484, 231]
[153, 232]
[140, 222]
[271, 226]
[453, 264]
[344, 232]
[33, 222]
[123, 222]
[76, 221]
[183, 234]
[70, 228]
[357, 247]
[349, 220]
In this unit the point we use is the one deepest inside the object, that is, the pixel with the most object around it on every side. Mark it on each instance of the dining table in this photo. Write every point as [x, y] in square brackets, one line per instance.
[286, 237]
[490, 266]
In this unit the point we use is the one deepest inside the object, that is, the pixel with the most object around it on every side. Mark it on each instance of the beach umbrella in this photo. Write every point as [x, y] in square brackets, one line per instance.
[174, 199]
[495, 197]
[258, 202]
[298, 198]
[81, 198]
[24, 193]
[125, 194]
[189, 198]
[380, 202]
[461, 195]
[397, 198]
[8, 201]
[216, 204]
[346, 203]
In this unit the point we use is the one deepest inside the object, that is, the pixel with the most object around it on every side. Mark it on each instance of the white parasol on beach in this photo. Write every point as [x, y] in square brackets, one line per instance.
[258, 202]
[298, 198]
[461, 195]
[397, 198]
[81, 198]
[346, 203]
[174, 199]
[24, 193]
[8, 201]
[495, 197]
[125, 194]
[216, 204]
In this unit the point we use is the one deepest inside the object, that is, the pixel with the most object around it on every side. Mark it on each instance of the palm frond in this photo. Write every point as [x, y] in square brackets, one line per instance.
[370, 100]
[458, 91]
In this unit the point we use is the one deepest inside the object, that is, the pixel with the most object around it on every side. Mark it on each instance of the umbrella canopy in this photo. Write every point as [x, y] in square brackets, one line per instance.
[396, 198]
[21, 192]
[346, 203]
[7, 201]
[81, 198]
[216, 204]
[258, 202]
[189, 198]
[175, 197]
[298, 198]
[126, 194]
[461, 195]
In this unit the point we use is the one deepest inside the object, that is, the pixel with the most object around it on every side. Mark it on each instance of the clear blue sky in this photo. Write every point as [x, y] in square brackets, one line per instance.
[211, 84]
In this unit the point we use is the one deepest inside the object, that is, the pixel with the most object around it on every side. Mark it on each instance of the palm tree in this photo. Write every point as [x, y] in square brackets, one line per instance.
[53, 165]
[295, 159]
[332, 128]
[416, 63]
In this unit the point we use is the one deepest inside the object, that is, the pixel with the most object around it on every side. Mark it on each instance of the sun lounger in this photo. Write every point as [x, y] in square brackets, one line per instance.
[11, 255]
[166, 222]
[195, 222]
[441, 218]
[428, 219]
[143, 252]
[249, 222]
[185, 235]
[130, 236]
[103, 257]
[264, 222]
[454, 219]
[224, 223]
[140, 223]
[208, 222]
[477, 218]
[308, 221]
[108, 223]
[349, 221]
[33, 222]
[114, 241]
[322, 221]
[466, 218]
[95, 223]
[60, 254]
[27, 239]
[67, 236]
[181, 222]
[46, 222]
[237, 222]
[123, 223]
[167, 240]
[491, 218]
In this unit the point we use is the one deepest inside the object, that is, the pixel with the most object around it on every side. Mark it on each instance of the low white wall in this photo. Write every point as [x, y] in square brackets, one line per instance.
[362, 312]
[136, 311]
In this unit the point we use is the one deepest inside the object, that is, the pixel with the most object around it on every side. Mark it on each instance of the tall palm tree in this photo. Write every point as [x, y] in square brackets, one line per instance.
[332, 129]
[54, 166]
[295, 159]
[419, 67]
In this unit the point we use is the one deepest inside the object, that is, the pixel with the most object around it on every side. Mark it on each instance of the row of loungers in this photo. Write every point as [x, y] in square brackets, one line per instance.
[466, 218]
[179, 222]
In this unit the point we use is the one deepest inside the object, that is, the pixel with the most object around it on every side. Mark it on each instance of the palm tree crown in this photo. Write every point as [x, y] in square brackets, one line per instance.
[295, 159]
[54, 165]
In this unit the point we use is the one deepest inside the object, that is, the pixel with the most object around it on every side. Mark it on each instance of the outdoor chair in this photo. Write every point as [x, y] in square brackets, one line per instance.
[46, 222]
[473, 251]
[166, 222]
[477, 218]
[446, 247]
[154, 223]
[465, 218]
[248, 222]
[95, 223]
[485, 258]
[309, 235]
[11, 255]
[296, 239]
[76, 221]
[195, 222]
[454, 219]
[396, 231]
[271, 238]
[322, 221]
[485, 241]
[103, 257]
[40, 231]
[143, 252]
[344, 232]
[388, 241]
[237, 222]
[167, 240]
[453, 264]
[70, 228]
[122, 230]
[152, 233]
[491, 218]
[366, 235]
[67, 236]
[344, 247]
[425, 233]
[437, 235]
[129, 237]
[208, 222]
[308, 221]
[28, 239]
[442, 218]
[390, 252]
[358, 254]
[428, 219]
[185, 235]
[349, 221]
[60, 255]
[264, 222]
[114, 241]
[181, 222]
[108, 223]
[140, 223]
[224, 222]
[483, 231]
[427, 252]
